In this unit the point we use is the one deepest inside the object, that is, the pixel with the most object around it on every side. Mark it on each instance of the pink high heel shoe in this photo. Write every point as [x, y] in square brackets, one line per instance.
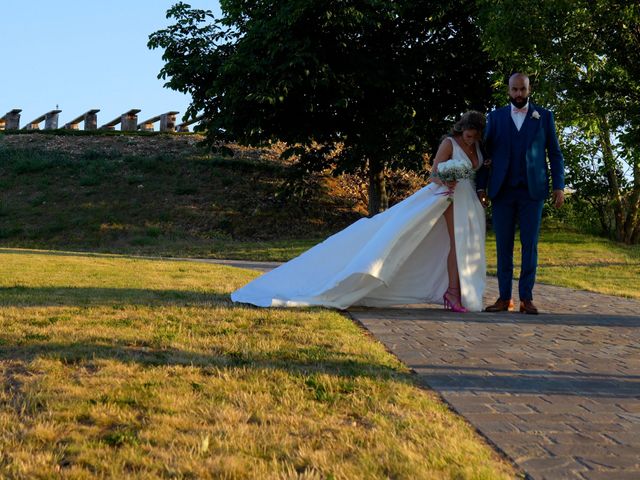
[454, 306]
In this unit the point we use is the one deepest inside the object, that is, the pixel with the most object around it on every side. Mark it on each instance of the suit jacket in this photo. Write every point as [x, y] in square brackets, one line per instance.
[541, 141]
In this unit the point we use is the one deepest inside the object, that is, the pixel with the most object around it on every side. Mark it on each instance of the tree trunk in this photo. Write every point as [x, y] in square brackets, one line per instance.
[378, 200]
[632, 225]
[610, 165]
[625, 205]
[635, 237]
[633, 219]
[602, 215]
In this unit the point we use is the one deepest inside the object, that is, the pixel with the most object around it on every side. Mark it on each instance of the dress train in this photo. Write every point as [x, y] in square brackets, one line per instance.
[396, 257]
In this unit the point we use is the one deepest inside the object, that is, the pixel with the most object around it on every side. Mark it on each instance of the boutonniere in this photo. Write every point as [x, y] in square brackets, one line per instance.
[535, 115]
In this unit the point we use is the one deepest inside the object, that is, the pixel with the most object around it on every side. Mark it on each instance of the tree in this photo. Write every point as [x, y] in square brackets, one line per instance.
[349, 85]
[583, 56]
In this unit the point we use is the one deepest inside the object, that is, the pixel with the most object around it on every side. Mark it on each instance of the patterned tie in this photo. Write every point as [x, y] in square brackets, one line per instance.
[520, 110]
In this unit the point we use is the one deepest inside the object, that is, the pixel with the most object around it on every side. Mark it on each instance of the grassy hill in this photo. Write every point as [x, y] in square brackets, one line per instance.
[155, 194]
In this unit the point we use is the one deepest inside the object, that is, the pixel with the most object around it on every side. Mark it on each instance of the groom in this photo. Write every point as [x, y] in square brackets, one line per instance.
[518, 139]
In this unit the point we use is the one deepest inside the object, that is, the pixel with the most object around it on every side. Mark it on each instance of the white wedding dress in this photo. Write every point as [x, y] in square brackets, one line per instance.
[396, 257]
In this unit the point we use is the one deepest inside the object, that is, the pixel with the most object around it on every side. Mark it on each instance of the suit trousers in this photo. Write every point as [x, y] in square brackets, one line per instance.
[512, 206]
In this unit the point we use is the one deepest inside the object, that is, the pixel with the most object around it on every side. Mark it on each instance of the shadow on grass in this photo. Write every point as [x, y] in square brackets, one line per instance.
[80, 253]
[234, 257]
[95, 296]
[303, 360]
[111, 256]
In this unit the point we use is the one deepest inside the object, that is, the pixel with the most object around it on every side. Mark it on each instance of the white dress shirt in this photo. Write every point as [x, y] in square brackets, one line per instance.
[518, 117]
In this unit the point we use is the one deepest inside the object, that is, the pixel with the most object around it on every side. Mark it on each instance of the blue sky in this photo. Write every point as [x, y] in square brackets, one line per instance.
[84, 54]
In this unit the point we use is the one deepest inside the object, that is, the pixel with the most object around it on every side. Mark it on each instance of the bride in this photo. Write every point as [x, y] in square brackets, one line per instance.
[427, 248]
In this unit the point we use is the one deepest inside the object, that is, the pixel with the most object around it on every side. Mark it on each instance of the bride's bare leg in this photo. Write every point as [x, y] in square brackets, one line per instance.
[452, 260]
[452, 298]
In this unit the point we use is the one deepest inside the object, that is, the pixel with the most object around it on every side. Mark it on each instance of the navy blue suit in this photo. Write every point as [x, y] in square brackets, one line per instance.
[518, 183]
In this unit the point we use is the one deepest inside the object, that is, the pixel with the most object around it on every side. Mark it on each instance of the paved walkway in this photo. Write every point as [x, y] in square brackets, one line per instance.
[558, 393]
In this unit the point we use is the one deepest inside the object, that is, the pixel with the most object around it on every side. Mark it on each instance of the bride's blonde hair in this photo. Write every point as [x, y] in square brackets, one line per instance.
[471, 120]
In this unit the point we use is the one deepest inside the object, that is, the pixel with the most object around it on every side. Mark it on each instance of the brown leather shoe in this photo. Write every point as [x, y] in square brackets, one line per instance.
[527, 306]
[500, 306]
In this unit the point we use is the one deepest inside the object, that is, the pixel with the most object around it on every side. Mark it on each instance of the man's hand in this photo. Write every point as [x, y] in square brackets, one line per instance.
[482, 196]
[558, 198]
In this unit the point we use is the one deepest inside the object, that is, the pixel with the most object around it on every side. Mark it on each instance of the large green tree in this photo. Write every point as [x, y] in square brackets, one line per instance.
[584, 59]
[349, 84]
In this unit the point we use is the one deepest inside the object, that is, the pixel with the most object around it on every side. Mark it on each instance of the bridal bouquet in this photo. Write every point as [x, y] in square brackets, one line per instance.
[453, 171]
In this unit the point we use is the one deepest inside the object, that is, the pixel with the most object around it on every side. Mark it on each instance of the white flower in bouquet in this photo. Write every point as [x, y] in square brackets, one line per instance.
[454, 170]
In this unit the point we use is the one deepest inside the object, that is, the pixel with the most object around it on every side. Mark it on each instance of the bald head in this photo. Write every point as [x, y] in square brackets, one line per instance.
[519, 89]
[518, 76]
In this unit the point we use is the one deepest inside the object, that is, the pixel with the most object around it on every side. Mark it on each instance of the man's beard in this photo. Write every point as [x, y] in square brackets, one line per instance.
[519, 103]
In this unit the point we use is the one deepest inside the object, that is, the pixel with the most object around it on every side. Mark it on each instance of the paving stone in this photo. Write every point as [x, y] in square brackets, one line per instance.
[519, 452]
[559, 465]
[532, 418]
[518, 408]
[633, 418]
[630, 405]
[619, 475]
[559, 408]
[467, 407]
[547, 427]
[580, 449]
[626, 438]
[598, 461]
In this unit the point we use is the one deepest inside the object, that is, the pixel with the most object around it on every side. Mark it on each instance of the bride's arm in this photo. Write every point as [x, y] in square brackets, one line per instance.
[444, 153]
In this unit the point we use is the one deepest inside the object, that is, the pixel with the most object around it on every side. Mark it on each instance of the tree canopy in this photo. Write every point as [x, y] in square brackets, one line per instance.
[355, 84]
[584, 60]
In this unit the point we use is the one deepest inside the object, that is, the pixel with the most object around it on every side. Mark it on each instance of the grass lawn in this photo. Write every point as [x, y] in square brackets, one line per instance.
[128, 368]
